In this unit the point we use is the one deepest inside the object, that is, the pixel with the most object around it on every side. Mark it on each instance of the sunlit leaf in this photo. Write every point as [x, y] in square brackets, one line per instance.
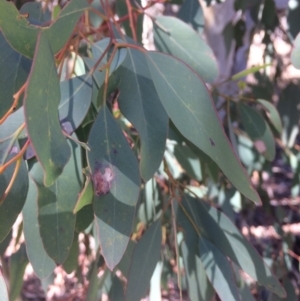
[258, 130]
[218, 271]
[42, 98]
[248, 71]
[198, 120]
[56, 204]
[145, 257]
[175, 37]
[272, 114]
[216, 227]
[295, 57]
[114, 171]
[3, 289]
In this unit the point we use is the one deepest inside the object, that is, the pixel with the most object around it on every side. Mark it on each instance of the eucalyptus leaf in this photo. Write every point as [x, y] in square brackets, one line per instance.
[188, 95]
[114, 169]
[145, 257]
[175, 37]
[42, 98]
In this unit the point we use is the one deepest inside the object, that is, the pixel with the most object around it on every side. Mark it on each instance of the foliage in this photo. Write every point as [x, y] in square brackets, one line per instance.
[102, 139]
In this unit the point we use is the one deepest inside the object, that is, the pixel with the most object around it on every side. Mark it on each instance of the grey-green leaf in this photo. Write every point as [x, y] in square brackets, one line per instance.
[42, 98]
[272, 114]
[175, 37]
[14, 201]
[144, 260]
[116, 181]
[3, 289]
[42, 264]
[218, 271]
[258, 130]
[56, 204]
[197, 120]
[140, 104]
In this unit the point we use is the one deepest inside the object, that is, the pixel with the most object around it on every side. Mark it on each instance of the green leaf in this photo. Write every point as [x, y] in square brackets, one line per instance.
[258, 130]
[56, 204]
[42, 264]
[248, 71]
[198, 120]
[215, 226]
[295, 56]
[42, 98]
[116, 182]
[37, 13]
[72, 108]
[17, 265]
[273, 114]
[85, 196]
[13, 203]
[5, 243]
[65, 24]
[84, 218]
[175, 37]
[218, 271]
[18, 32]
[191, 13]
[145, 257]
[140, 104]
[71, 262]
[288, 108]
[199, 288]
[14, 69]
[3, 289]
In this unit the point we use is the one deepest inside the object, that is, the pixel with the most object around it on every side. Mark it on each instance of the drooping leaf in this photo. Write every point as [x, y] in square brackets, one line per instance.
[145, 257]
[248, 71]
[288, 108]
[65, 23]
[14, 69]
[175, 37]
[18, 32]
[116, 183]
[71, 262]
[258, 130]
[198, 120]
[5, 243]
[56, 204]
[216, 227]
[273, 114]
[17, 265]
[75, 100]
[140, 104]
[42, 98]
[218, 271]
[84, 218]
[37, 14]
[14, 201]
[86, 195]
[42, 264]
[3, 289]
[295, 56]
[192, 13]
[199, 288]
